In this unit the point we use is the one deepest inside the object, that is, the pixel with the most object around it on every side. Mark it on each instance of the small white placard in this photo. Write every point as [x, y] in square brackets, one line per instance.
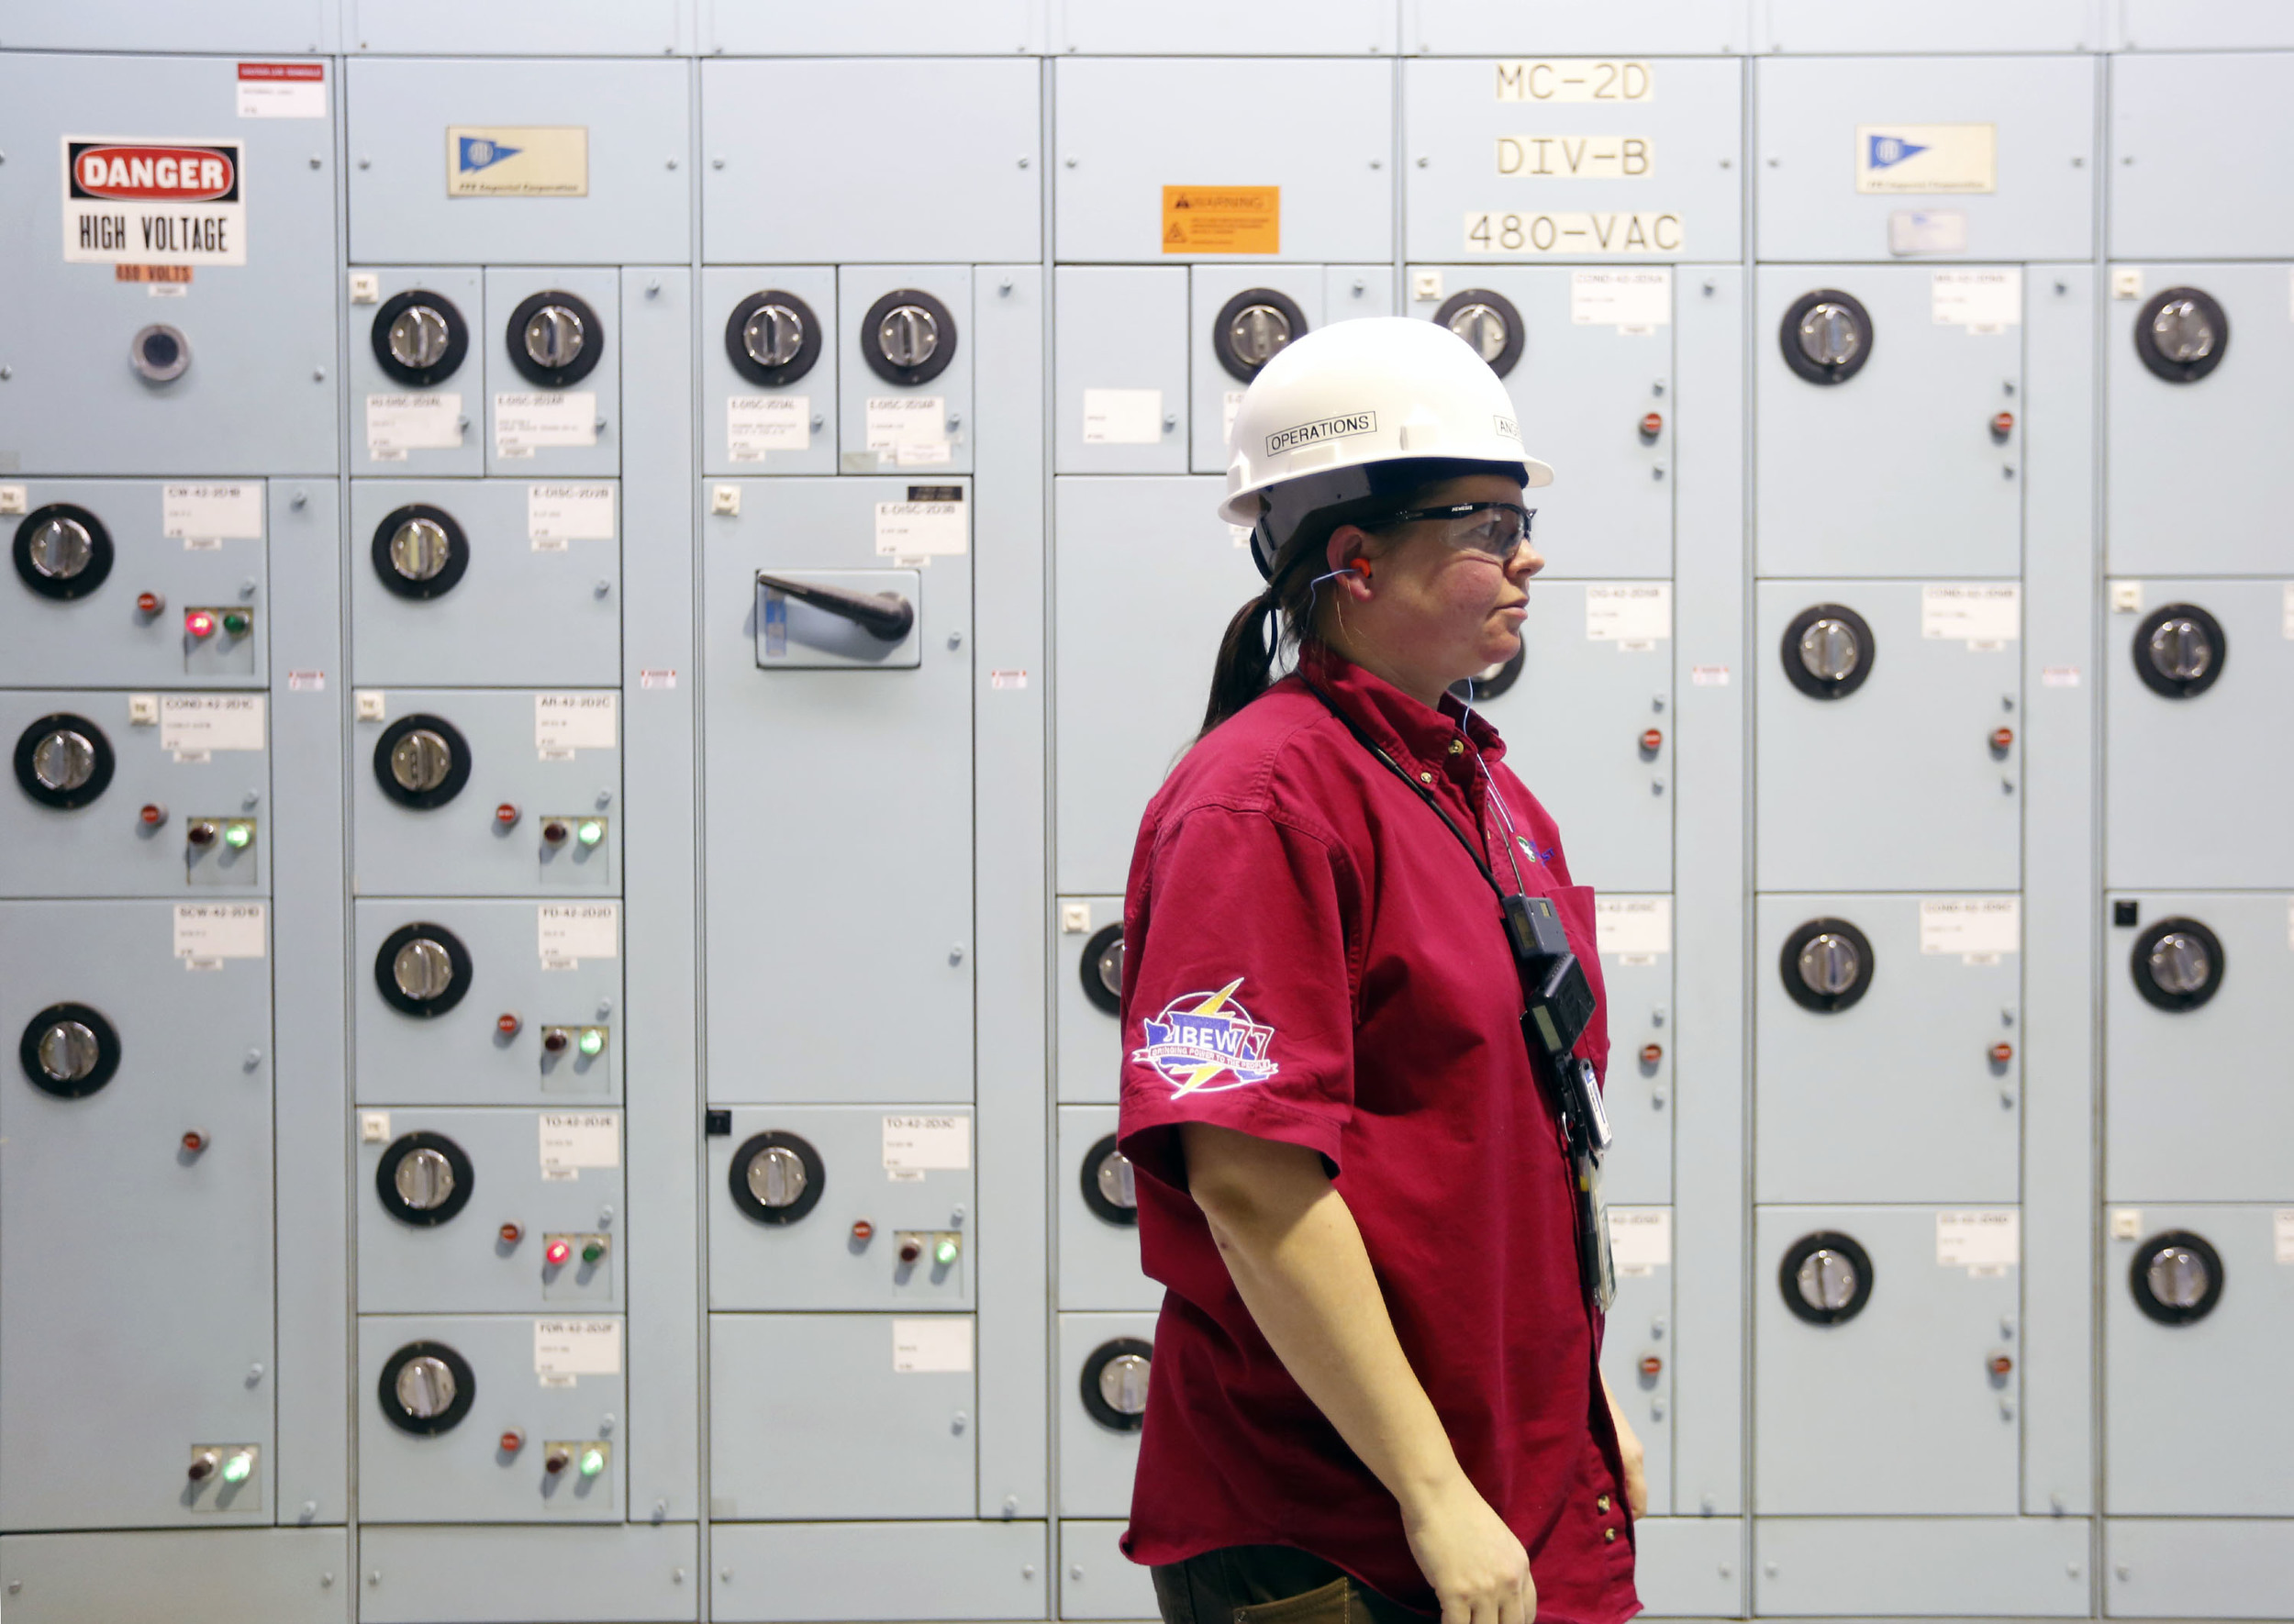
[574, 1140]
[1984, 612]
[12, 499]
[920, 1347]
[896, 420]
[194, 723]
[211, 512]
[569, 932]
[2126, 1223]
[1122, 416]
[1987, 1242]
[921, 529]
[1984, 301]
[1640, 1239]
[1628, 611]
[218, 930]
[1004, 679]
[1621, 298]
[2126, 282]
[2282, 1235]
[283, 89]
[573, 721]
[657, 677]
[917, 1144]
[1632, 926]
[1927, 231]
[1966, 925]
[524, 421]
[755, 424]
[558, 514]
[373, 1127]
[577, 1347]
[1708, 676]
[396, 424]
[2126, 597]
[2059, 676]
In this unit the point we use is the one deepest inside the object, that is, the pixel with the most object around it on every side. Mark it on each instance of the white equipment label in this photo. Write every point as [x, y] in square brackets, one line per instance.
[1906, 158]
[1984, 1244]
[1980, 301]
[917, 1144]
[1576, 79]
[577, 1347]
[571, 1140]
[396, 424]
[283, 89]
[569, 932]
[218, 930]
[141, 201]
[2282, 1235]
[192, 724]
[923, 1346]
[1122, 416]
[1628, 613]
[558, 514]
[1927, 231]
[1640, 1239]
[909, 428]
[211, 512]
[2286, 611]
[1971, 925]
[1978, 614]
[922, 529]
[1576, 157]
[1631, 299]
[755, 424]
[524, 421]
[573, 721]
[1634, 929]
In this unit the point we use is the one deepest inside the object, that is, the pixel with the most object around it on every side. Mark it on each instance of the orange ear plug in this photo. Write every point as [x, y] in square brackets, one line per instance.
[1362, 564]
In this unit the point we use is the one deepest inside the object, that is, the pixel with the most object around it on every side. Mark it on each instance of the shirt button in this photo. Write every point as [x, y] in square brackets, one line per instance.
[1425, 778]
[1457, 746]
[1608, 1536]
[1601, 1505]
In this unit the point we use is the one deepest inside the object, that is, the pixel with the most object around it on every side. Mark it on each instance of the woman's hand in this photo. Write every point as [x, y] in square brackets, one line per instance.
[1629, 1446]
[1478, 1570]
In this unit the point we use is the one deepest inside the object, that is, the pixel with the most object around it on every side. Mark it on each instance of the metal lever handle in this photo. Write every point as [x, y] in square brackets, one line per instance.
[882, 614]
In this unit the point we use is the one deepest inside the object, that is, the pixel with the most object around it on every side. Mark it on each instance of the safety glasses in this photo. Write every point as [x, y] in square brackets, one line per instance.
[1495, 529]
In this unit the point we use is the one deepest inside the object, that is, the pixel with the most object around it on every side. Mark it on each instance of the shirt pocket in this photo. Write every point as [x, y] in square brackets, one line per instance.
[1575, 904]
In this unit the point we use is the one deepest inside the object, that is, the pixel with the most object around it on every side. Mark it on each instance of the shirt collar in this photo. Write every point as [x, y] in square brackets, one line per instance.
[1400, 723]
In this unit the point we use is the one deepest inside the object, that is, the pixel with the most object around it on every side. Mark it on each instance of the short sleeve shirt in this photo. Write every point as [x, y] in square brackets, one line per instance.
[1311, 957]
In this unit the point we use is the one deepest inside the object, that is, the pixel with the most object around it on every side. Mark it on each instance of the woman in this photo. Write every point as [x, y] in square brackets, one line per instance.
[1373, 1393]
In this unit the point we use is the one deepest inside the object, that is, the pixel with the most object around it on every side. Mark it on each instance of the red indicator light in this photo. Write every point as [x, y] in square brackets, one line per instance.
[2001, 1365]
[2002, 737]
[1653, 740]
[2001, 1054]
[194, 1141]
[1650, 1053]
[2003, 425]
[149, 604]
[863, 1230]
[200, 623]
[1652, 425]
[506, 814]
[558, 1252]
[512, 1234]
[506, 1025]
[512, 1441]
[1650, 1365]
[153, 816]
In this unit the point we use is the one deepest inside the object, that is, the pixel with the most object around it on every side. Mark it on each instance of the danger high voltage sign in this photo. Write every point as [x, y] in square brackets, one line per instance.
[153, 202]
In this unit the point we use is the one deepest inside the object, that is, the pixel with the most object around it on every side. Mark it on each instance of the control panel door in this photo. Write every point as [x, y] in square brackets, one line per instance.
[771, 350]
[905, 374]
[1121, 369]
[553, 364]
[418, 348]
[1636, 949]
[1104, 1365]
[1098, 1221]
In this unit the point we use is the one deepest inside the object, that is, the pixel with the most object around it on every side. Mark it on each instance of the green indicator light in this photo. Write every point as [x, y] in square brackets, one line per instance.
[593, 1251]
[945, 1252]
[592, 1040]
[238, 1466]
[235, 623]
[592, 829]
[236, 835]
[592, 1461]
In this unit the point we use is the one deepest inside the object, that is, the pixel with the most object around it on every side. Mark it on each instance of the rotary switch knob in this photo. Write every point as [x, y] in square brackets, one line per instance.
[1828, 650]
[425, 1388]
[62, 551]
[1115, 1383]
[422, 969]
[421, 762]
[908, 336]
[1102, 969]
[63, 760]
[1253, 328]
[777, 1178]
[2180, 650]
[1110, 1185]
[2178, 964]
[419, 552]
[424, 1179]
[2182, 334]
[1826, 1278]
[772, 338]
[68, 1051]
[555, 339]
[2177, 1277]
[1826, 335]
[1827, 966]
[1488, 322]
[420, 338]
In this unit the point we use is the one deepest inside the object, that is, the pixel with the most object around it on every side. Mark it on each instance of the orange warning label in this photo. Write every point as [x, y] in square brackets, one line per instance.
[1222, 220]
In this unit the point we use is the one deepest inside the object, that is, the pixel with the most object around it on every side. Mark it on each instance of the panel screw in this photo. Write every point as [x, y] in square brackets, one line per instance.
[313, 161]
[1424, 162]
[1071, 161]
[672, 163]
[365, 162]
[726, 1575]
[326, 1581]
[1028, 1572]
[955, 639]
[1074, 1569]
[1023, 163]
[319, 374]
[718, 161]
[301, 499]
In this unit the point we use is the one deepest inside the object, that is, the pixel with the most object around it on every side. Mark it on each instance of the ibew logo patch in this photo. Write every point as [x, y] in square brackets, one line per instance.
[1888, 150]
[1200, 1037]
[477, 153]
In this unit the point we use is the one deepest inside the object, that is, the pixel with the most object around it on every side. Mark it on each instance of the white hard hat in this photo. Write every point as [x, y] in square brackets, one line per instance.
[1356, 395]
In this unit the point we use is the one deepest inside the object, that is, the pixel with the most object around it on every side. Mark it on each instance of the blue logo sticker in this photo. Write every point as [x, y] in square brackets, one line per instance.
[477, 153]
[1888, 150]
[1202, 1036]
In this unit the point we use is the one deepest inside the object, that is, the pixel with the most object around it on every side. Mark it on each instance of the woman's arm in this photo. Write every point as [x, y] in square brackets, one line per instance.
[1297, 1257]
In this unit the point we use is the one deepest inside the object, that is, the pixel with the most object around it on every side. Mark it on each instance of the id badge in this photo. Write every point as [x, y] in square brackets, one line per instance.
[1597, 1262]
[1587, 1095]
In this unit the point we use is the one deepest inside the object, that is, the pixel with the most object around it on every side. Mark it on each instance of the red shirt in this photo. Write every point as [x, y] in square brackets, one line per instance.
[1309, 956]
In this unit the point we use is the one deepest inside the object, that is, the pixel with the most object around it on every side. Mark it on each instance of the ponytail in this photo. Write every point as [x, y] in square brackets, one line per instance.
[1246, 656]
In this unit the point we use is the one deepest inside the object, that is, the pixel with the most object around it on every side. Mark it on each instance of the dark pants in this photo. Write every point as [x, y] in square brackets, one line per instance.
[1269, 1585]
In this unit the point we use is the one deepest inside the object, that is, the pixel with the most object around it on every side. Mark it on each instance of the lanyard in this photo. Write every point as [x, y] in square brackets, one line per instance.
[1416, 788]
